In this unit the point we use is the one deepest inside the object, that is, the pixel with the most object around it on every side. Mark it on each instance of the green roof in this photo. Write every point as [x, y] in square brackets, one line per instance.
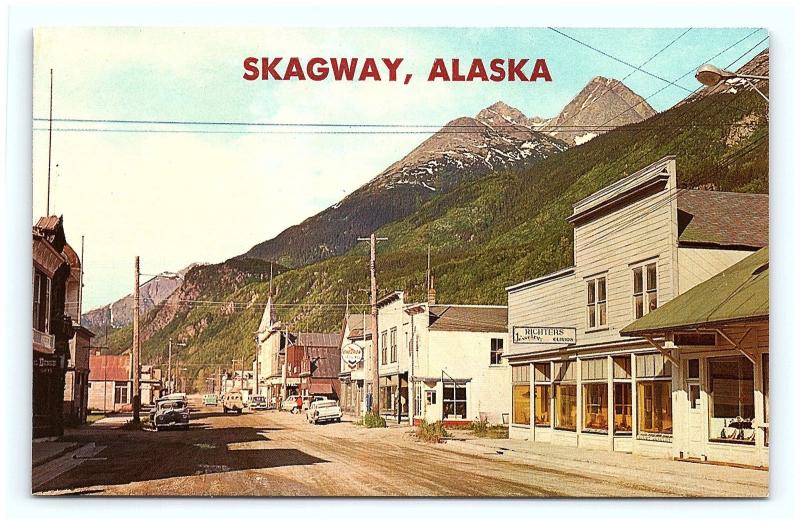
[741, 292]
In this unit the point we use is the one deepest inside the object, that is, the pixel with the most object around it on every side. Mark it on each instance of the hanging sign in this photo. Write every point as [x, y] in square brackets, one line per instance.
[544, 335]
[352, 354]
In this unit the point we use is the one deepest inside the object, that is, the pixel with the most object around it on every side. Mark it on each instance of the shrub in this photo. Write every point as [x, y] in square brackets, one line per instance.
[431, 432]
[372, 420]
[479, 428]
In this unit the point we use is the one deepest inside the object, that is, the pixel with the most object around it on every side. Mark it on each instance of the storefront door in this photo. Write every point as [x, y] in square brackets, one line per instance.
[697, 412]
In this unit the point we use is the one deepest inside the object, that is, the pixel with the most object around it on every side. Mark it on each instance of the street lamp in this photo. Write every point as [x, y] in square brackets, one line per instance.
[711, 75]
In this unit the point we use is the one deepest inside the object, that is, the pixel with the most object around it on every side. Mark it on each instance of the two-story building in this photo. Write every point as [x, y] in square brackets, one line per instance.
[52, 326]
[442, 362]
[272, 340]
[355, 345]
[638, 243]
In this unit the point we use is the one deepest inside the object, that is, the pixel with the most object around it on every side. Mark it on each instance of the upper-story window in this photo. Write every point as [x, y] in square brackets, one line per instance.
[383, 347]
[645, 289]
[41, 301]
[596, 312]
[393, 340]
[496, 352]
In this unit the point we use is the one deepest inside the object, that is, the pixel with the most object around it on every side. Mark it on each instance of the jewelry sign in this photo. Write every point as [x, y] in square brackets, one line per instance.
[352, 354]
[544, 335]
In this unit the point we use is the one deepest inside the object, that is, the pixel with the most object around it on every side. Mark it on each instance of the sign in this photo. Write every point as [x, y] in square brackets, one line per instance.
[544, 335]
[352, 354]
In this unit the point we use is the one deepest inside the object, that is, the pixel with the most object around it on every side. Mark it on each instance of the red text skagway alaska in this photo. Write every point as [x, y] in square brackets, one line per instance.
[388, 69]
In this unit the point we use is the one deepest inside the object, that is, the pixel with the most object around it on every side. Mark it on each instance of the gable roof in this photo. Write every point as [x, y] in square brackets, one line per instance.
[741, 292]
[720, 218]
[109, 367]
[480, 319]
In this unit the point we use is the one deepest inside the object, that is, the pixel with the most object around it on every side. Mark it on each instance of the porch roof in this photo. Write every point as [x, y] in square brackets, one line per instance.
[741, 292]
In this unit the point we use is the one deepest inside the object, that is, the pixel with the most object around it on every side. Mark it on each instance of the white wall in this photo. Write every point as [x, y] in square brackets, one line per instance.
[696, 265]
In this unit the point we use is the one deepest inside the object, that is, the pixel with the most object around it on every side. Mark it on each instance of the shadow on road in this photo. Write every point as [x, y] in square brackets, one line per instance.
[135, 456]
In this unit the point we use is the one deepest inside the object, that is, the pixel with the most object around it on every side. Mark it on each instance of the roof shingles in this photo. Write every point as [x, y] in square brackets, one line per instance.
[723, 219]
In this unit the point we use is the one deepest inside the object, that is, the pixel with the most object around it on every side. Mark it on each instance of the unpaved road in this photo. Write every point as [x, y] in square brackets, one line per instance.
[278, 454]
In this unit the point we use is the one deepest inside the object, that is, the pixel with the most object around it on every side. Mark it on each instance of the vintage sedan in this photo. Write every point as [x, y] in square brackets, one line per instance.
[323, 411]
[170, 411]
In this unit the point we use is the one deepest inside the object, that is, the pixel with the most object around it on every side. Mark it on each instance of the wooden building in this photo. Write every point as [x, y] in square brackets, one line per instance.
[52, 326]
[355, 346]
[638, 243]
[110, 382]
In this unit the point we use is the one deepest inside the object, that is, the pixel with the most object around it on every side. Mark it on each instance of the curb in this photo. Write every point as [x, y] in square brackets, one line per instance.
[68, 449]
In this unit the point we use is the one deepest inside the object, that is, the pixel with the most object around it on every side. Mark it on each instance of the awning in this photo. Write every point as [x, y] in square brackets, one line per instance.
[320, 388]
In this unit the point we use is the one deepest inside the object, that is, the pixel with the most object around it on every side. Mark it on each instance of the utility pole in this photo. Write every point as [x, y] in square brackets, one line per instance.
[80, 287]
[136, 385]
[169, 366]
[50, 143]
[373, 240]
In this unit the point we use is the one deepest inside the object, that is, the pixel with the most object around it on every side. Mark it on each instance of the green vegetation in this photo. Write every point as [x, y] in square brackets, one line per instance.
[504, 228]
[372, 420]
[432, 432]
[482, 428]
[91, 418]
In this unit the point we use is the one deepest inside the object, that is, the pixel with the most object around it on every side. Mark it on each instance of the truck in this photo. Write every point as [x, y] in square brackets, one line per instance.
[232, 401]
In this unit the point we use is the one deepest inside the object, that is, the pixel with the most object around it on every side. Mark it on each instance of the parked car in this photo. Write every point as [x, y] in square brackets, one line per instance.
[323, 411]
[258, 402]
[210, 399]
[170, 411]
[289, 403]
[232, 401]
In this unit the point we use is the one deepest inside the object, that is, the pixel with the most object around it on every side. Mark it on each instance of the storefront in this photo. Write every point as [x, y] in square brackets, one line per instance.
[717, 337]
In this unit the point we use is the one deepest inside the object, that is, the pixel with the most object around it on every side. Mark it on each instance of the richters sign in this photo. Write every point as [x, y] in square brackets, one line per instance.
[544, 335]
[352, 354]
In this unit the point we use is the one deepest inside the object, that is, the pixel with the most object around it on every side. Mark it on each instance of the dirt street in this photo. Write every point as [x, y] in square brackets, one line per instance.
[279, 454]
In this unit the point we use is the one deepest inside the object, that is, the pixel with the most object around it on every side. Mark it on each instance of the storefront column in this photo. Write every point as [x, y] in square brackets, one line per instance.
[610, 408]
[634, 402]
[531, 404]
[578, 401]
[758, 399]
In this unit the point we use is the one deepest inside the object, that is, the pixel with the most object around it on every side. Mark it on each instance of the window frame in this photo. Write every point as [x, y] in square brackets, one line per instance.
[41, 301]
[496, 351]
[384, 348]
[546, 385]
[121, 388]
[520, 381]
[741, 379]
[393, 345]
[596, 309]
[645, 291]
[455, 401]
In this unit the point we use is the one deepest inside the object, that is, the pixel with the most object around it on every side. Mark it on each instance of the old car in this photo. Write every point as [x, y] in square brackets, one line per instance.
[170, 411]
[232, 401]
[258, 402]
[210, 399]
[323, 411]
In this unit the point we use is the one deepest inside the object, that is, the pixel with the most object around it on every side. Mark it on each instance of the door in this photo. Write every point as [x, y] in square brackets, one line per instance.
[697, 415]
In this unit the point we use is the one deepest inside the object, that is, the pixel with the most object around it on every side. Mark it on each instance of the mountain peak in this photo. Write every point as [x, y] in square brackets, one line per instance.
[501, 113]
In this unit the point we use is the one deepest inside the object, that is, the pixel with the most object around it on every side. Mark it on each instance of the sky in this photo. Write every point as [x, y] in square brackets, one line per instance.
[175, 197]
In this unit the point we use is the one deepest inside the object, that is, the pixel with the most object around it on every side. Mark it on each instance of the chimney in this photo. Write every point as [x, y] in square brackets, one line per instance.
[431, 292]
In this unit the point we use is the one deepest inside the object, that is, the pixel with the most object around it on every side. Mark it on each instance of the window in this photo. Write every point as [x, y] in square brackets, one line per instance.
[455, 401]
[418, 400]
[732, 400]
[623, 393]
[654, 390]
[645, 290]
[596, 303]
[521, 395]
[393, 335]
[542, 394]
[594, 378]
[120, 393]
[430, 397]
[496, 352]
[383, 347]
[566, 396]
[693, 382]
[41, 301]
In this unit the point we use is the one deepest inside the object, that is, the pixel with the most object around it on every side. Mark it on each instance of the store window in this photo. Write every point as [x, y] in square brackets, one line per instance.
[594, 381]
[645, 290]
[542, 394]
[596, 313]
[521, 395]
[454, 398]
[496, 352]
[623, 393]
[393, 344]
[120, 393]
[41, 301]
[765, 379]
[732, 400]
[654, 392]
[566, 396]
[430, 397]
